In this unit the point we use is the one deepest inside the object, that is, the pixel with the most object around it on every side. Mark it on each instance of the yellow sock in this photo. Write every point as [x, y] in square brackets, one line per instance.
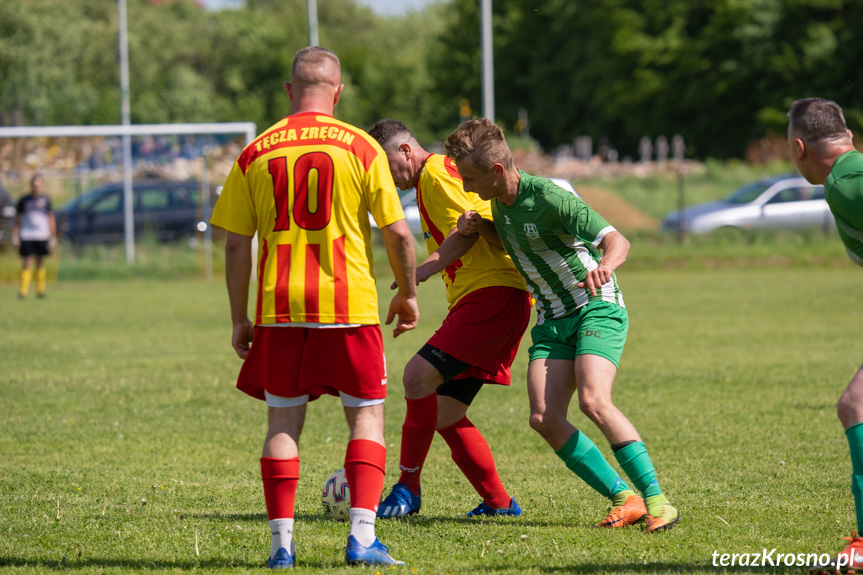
[41, 280]
[24, 284]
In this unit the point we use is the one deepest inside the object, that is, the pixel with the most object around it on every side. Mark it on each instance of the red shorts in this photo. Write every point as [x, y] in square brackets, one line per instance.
[296, 361]
[484, 330]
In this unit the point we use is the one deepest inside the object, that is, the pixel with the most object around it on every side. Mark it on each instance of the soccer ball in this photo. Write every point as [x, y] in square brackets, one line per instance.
[336, 497]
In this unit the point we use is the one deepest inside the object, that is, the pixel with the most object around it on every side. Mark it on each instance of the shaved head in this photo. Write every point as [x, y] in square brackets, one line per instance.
[316, 65]
[818, 122]
[817, 135]
[316, 81]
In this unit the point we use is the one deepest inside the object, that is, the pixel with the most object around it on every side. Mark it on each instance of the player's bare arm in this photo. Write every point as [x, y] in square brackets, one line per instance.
[52, 223]
[238, 271]
[450, 251]
[16, 227]
[471, 222]
[400, 251]
[614, 248]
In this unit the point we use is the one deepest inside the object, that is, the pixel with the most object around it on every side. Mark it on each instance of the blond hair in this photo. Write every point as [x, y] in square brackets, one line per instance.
[482, 141]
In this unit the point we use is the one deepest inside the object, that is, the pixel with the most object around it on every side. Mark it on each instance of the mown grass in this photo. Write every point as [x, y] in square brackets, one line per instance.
[126, 447]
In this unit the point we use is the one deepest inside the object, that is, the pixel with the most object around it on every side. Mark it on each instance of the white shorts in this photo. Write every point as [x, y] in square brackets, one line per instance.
[347, 400]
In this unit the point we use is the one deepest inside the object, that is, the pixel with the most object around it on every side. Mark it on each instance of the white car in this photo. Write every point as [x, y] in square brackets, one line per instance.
[779, 202]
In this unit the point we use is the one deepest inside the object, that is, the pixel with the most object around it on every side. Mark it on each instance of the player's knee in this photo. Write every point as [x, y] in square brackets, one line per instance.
[545, 422]
[536, 422]
[416, 383]
[420, 378]
[849, 411]
[594, 407]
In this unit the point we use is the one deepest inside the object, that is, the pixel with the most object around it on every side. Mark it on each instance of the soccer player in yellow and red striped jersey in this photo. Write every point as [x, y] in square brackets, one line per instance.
[305, 187]
[476, 343]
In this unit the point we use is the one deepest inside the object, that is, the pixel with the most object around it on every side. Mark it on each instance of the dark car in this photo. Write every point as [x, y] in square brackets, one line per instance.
[163, 210]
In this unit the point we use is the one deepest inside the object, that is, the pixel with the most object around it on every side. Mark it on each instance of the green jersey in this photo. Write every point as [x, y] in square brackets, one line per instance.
[552, 237]
[844, 193]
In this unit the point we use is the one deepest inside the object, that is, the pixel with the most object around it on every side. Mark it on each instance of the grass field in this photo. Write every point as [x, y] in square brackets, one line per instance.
[125, 447]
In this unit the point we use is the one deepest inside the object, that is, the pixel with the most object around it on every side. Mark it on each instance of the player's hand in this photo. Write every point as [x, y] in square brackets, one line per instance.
[408, 313]
[52, 243]
[16, 241]
[242, 336]
[596, 279]
[468, 223]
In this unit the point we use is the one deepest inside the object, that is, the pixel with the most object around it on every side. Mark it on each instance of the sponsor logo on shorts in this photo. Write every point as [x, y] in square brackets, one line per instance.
[439, 354]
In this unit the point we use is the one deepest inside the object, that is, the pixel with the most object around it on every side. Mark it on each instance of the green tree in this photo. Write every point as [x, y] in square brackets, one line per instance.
[719, 72]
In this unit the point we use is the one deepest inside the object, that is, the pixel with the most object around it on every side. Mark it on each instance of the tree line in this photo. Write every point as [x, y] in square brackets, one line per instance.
[722, 73]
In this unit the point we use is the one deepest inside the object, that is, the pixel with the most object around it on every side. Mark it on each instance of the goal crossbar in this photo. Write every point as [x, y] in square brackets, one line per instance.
[248, 129]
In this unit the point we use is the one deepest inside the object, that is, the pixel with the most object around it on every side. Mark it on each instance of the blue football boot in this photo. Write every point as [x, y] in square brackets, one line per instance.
[484, 510]
[375, 554]
[282, 560]
[399, 503]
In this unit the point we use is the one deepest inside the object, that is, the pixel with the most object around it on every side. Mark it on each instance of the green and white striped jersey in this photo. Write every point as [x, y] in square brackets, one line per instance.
[552, 237]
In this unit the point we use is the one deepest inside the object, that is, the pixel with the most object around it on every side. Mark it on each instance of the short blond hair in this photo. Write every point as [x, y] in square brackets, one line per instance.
[482, 141]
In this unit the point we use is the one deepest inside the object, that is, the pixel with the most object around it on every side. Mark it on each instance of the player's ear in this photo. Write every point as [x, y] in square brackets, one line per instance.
[338, 94]
[289, 90]
[405, 148]
[799, 149]
[498, 168]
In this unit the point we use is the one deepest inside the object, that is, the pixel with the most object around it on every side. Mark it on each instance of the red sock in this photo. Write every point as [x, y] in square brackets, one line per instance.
[281, 477]
[365, 462]
[417, 435]
[473, 456]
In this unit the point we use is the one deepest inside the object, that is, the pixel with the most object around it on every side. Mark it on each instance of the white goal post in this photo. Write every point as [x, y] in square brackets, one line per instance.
[248, 129]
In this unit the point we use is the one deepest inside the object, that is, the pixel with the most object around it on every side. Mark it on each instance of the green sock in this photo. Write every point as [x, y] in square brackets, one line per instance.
[584, 458]
[855, 443]
[636, 463]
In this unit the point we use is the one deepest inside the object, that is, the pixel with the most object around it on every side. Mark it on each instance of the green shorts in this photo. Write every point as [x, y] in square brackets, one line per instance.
[598, 328]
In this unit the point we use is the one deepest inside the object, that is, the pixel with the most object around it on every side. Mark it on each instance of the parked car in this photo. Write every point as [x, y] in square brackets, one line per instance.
[164, 210]
[785, 202]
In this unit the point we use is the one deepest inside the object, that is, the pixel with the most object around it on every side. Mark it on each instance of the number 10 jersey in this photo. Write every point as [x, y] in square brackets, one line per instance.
[306, 186]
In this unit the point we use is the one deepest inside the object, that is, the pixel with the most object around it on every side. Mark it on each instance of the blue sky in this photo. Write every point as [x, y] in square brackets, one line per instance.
[394, 7]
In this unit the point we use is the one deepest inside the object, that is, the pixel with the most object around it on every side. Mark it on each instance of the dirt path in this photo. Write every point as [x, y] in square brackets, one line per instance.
[619, 213]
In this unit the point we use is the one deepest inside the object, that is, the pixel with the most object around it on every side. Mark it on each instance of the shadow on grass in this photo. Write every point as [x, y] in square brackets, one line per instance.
[418, 520]
[426, 520]
[660, 567]
[139, 564]
[143, 564]
[256, 517]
